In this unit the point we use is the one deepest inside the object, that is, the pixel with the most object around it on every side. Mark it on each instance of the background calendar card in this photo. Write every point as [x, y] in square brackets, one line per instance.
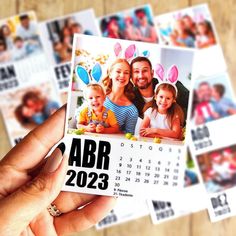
[213, 114]
[26, 107]
[193, 27]
[218, 171]
[132, 24]
[213, 119]
[93, 111]
[191, 199]
[57, 37]
[22, 55]
[126, 209]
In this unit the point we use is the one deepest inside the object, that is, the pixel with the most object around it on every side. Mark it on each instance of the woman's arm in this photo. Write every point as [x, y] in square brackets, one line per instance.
[131, 120]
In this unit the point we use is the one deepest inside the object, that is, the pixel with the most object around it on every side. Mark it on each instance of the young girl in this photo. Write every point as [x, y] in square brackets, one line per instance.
[119, 91]
[163, 117]
[205, 36]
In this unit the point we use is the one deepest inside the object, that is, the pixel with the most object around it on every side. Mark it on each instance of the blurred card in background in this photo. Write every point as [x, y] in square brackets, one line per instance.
[26, 107]
[21, 53]
[213, 142]
[132, 24]
[57, 35]
[194, 28]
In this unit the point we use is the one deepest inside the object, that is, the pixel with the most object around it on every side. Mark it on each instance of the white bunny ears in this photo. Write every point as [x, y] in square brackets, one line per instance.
[172, 76]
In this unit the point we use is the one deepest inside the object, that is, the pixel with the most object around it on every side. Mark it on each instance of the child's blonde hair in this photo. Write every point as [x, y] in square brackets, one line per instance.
[96, 87]
[107, 82]
[173, 111]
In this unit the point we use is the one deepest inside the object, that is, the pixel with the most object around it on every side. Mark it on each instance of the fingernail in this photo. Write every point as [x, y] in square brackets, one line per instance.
[62, 147]
[55, 159]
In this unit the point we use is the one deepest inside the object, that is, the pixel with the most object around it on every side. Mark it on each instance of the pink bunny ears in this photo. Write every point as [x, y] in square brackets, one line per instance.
[172, 76]
[129, 53]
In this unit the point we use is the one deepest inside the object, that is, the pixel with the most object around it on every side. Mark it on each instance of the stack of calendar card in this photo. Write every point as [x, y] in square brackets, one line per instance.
[28, 92]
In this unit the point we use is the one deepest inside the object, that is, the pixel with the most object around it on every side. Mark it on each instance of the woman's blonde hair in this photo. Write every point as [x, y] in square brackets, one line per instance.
[107, 82]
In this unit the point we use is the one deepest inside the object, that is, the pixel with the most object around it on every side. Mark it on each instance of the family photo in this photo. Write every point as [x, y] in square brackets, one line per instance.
[27, 107]
[19, 38]
[218, 169]
[135, 24]
[212, 100]
[191, 27]
[134, 98]
[58, 33]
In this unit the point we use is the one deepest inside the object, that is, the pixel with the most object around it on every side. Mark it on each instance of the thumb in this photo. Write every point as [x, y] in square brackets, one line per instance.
[19, 208]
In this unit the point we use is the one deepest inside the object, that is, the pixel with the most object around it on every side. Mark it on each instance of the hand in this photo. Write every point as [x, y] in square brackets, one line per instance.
[215, 115]
[100, 128]
[91, 127]
[199, 120]
[146, 131]
[29, 183]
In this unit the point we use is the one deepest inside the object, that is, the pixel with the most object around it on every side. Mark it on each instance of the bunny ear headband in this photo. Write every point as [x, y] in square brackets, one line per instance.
[172, 76]
[199, 17]
[130, 52]
[92, 76]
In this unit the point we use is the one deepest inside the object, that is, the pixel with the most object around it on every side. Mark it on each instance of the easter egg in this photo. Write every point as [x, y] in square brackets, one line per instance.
[157, 140]
[128, 135]
[133, 138]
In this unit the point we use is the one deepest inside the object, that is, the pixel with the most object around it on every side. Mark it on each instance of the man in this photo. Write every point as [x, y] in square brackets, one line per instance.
[144, 85]
[27, 30]
[148, 32]
[206, 110]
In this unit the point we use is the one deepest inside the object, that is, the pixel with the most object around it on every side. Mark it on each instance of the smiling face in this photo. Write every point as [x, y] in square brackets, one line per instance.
[120, 74]
[204, 92]
[164, 100]
[202, 28]
[27, 111]
[95, 98]
[142, 74]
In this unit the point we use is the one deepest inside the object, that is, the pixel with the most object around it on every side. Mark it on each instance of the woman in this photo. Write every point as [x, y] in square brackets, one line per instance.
[119, 91]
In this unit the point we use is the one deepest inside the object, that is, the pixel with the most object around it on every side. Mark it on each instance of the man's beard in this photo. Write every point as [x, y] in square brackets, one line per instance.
[145, 86]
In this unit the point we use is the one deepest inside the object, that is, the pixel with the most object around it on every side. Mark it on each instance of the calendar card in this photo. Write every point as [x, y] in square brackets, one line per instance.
[26, 107]
[194, 28]
[189, 200]
[213, 142]
[116, 144]
[126, 209]
[21, 55]
[131, 24]
[57, 37]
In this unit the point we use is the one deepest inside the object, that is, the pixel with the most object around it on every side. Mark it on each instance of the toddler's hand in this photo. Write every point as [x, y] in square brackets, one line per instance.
[100, 128]
[91, 127]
